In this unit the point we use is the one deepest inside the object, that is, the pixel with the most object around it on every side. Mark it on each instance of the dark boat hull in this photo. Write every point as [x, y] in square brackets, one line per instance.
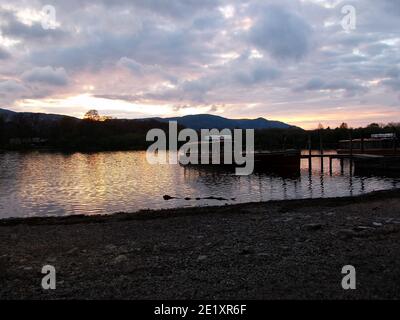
[379, 152]
[265, 161]
[381, 164]
[277, 160]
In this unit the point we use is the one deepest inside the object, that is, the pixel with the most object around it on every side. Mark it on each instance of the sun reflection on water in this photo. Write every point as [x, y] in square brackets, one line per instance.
[40, 184]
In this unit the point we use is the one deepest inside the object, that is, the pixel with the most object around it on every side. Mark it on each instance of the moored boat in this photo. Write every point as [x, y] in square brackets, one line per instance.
[378, 144]
[263, 160]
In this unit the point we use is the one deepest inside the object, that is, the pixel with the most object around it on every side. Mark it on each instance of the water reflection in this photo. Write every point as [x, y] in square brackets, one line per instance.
[39, 184]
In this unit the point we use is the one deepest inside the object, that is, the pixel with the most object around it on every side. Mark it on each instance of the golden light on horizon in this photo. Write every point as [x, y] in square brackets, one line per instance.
[87, 101]
[353, 118]
[78, 105]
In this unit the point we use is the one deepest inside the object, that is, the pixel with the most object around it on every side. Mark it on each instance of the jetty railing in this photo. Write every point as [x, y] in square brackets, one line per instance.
[351, 156]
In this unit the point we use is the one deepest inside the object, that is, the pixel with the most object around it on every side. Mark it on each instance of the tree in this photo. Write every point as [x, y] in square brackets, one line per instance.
[374, 126]
[92, 115]
[344, 125]
[393, 125]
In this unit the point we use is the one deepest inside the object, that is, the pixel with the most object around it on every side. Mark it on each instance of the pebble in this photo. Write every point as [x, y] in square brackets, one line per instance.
[263, 254]
[246, 251]
[361, 228]
[73, 250]
[313, 226]
[120, 259]
[201, 257]
[346, 233]
[110, 247]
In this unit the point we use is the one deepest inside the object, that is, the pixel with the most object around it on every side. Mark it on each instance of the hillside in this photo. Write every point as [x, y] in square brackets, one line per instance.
[208, 121]
[199, 121]
[9, 115]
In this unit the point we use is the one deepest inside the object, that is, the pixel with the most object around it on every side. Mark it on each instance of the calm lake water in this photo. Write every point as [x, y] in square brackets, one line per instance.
[42, 184]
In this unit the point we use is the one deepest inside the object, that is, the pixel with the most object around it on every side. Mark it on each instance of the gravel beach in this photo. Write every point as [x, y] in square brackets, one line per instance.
[273, 250]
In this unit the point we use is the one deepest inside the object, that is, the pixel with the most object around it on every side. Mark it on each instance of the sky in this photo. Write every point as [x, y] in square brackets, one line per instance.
[303, 62]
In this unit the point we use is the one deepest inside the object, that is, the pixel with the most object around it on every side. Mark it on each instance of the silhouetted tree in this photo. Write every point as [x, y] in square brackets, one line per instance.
[92, 115]
[374, 126]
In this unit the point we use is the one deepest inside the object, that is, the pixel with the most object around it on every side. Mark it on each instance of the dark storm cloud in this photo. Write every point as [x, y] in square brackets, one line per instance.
[46, 75]
[11, 86]
[392, 79]
[242, 56]
[176, 8]
[4, 54]
[318, 84]
[150, 45]
[122, 97]
[281, 33]
[255, 75]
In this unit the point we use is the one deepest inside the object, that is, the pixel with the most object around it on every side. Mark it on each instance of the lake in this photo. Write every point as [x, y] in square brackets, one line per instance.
[56, 184]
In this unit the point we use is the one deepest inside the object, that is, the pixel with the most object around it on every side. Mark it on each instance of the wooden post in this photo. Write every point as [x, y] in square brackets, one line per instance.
[321, 151]
[309, 153]
[330, 165]
[362, 143]
[351, 144]
[351, 153]
[341, 166]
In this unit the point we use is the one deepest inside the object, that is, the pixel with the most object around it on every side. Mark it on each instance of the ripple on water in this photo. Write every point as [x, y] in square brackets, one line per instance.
[42, 184]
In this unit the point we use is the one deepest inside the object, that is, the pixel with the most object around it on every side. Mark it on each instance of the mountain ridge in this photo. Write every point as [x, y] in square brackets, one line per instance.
[8, 115]
[196, 121]
[209, 121]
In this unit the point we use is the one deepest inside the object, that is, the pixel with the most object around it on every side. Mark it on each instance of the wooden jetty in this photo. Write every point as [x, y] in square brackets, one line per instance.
[388, 164]
[263, 160]
[378, 144]
[353, 158]
[289, 159]
[380, 152]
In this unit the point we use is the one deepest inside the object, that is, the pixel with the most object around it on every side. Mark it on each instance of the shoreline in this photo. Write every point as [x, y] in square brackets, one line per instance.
[148, 214]
[290, 249]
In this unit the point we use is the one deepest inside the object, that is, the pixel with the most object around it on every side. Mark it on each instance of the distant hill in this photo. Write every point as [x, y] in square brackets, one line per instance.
[26, 130]
[9, 115]
[197, 122]
[208, 121]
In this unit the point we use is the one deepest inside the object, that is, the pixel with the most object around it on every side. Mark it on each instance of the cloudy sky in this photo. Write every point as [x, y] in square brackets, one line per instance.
[285, 60]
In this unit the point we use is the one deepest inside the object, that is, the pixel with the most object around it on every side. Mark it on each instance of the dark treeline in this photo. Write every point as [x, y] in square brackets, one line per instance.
[298, 139]
[26, 131]
[29, 131]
